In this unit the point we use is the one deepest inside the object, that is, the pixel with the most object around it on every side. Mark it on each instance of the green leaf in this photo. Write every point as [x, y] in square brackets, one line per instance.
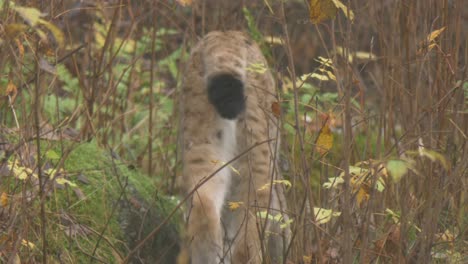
[52, 155]
[63, 181]
[397, 169]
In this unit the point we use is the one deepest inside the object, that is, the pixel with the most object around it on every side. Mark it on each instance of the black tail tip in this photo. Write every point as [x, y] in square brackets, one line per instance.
[226, 93]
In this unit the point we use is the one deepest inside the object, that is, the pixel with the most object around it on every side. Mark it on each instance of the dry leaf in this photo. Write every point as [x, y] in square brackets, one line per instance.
[434, 34]
[4, 199]
[276, 109]
[429, 43]
[14, 30]
[324, 140]
[184, 2]
[20, 48]
[234, 205]
[347, 12]
[11, 90]
[321, 10]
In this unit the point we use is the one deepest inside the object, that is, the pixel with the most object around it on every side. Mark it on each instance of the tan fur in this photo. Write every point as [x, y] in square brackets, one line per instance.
[216, 234]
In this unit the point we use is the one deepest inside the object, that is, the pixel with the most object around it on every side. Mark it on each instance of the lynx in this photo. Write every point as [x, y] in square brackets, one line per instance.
[227, 94]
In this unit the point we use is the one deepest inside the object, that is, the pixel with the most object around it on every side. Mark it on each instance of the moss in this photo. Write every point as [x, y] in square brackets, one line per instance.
[75, 224]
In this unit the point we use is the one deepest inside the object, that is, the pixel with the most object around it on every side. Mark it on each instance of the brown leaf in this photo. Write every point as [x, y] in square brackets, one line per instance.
[4, 199]
[276, 109]
[11, 90]
[20, 48]
[321, 10]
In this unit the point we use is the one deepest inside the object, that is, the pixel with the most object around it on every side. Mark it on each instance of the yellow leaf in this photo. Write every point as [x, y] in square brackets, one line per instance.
[429, 43]
[184, 2]
[320, 77]
[434, 34]
[224, 163]
[323, 216]
[325, 61]
[234, 205]
[28, 244]
[333, 182]
[266, 186]
[63, 181]
[364, 55]
[307, 259]
[360, 55]
[286, 183]
[11, 90]
[20, 172]
[435, 156]
[362, 196]
[273, 40]
[345, 10]
[56, 32]
[321, 10]
[326, 75]
[4, 199]
[257, 67]
[397, 169]
[29, 14]
[324, 140]
[14, 30]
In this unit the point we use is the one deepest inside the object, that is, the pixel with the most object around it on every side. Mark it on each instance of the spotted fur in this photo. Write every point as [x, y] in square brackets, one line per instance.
[226, 109]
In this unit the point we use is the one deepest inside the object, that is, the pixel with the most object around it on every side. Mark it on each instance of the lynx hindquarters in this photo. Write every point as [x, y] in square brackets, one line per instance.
[226, 110]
